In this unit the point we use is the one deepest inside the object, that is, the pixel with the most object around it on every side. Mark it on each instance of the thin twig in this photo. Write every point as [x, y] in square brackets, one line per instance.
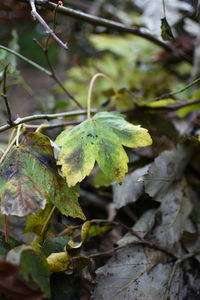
[8, 149]
[47, 221]
[37, 17]
[29, 61]
[4, 96]
[43, 117]
[81, 112]
[142, 32]
[54, 27]
[186, 87]
[171, 277]
[54, 76]
[164, 9]
[140, 239]
[34, 64]
[51, 126]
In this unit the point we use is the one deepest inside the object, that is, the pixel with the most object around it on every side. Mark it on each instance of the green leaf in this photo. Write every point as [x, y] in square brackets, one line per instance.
[166, 31]
[54, 245]
[29, 179]
[34, 266]
[99, 139]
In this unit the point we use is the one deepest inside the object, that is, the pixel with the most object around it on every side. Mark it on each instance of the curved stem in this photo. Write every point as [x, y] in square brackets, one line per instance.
[90, 91]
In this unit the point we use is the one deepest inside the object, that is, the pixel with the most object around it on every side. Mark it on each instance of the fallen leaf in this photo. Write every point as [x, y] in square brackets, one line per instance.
[176, 206]
[166, 169]
[136, 272]
[130, 189]
[165, 183]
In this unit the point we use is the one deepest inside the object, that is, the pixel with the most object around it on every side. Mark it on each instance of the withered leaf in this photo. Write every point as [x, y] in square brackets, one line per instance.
[29, 179]
[136, 272]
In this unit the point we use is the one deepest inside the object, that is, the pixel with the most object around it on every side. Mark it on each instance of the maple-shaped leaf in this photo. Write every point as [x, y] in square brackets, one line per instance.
[99, 139]
[29, 179]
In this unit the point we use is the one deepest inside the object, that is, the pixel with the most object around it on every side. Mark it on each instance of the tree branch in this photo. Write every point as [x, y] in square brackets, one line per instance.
[53, 74]
[47, 72]
[43, 117]
[29, 61]
[98, 21]
[173, 93]
[18, 121]
[54, 125]
[37, 17]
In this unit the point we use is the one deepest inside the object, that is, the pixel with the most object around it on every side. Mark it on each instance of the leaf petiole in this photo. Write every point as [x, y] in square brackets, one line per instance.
[90, 90]
[47, 220]
[18, 134]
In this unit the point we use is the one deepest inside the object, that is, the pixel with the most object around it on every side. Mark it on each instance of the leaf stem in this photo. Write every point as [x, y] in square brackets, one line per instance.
[47, 220]
[18, 135]
[8, 149]
[90, 90]
[164, 9]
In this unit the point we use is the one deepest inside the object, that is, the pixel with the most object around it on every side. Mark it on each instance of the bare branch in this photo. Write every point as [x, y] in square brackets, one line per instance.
[54, 76]
[54, 125]
[34, 64]
[37, 17]
[142, 32]
[43, 117]
[29, 61]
